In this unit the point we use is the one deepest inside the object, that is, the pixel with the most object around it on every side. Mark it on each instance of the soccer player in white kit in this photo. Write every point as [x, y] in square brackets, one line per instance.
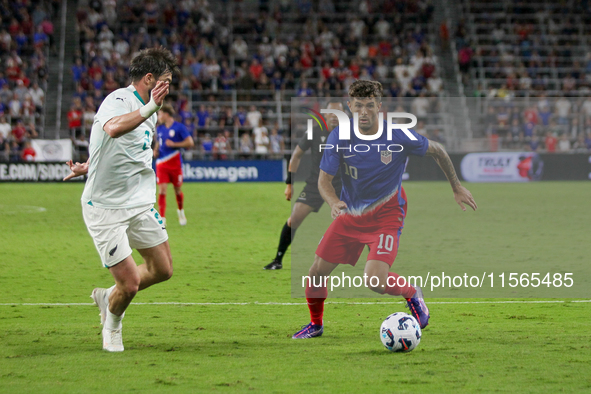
[119, 196]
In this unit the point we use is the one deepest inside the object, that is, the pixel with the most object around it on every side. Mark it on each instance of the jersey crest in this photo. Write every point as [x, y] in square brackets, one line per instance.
[386, 156]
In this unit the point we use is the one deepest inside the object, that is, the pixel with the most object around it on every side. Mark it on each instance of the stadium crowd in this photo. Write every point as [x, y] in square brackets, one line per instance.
[26, 37]
[529, 63]
[279, 51]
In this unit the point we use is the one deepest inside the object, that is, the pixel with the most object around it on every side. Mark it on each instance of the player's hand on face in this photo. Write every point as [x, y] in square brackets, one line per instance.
[288, 192]
[337, 209]
[169, 143]
[77, 169]
[159, 92]
[463, 196]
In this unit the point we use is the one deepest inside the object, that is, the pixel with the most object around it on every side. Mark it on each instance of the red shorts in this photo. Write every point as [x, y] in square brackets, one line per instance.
[379, 229]
[169, 174]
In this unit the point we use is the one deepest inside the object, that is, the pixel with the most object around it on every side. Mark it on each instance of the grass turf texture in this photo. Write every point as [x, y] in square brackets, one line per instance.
[48, 257]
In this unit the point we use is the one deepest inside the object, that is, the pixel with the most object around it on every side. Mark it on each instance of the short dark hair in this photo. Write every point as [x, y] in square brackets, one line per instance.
[158, 61]
[167, 108]
[366, 89]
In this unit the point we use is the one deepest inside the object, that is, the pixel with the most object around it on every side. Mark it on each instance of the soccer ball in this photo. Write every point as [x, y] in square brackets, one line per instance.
[400, 332]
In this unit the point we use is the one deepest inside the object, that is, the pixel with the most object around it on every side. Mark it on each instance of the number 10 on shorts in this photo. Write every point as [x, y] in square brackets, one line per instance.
[386, 242]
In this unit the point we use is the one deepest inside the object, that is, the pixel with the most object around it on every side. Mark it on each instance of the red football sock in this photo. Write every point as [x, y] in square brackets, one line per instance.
[179, 200]
[315, 297]
[392, 288]
[162, 204]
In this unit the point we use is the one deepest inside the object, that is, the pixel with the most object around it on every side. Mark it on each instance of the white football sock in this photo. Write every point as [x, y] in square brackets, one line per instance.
[113, 322]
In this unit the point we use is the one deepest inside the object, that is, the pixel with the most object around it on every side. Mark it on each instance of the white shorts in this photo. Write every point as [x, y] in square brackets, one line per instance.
[116, 231]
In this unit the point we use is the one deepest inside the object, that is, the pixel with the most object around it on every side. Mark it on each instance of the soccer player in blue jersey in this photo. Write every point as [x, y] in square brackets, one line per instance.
[172, 137]
[372, 205]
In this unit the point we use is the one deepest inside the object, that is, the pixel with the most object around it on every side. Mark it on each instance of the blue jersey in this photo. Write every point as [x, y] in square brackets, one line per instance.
[374, 174]
[176, 133]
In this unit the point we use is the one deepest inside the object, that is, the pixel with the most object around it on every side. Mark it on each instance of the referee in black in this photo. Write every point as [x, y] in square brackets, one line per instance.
[309, 199]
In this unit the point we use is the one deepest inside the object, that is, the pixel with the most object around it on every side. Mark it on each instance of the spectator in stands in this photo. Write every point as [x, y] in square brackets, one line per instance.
[515, 131]
[203, 117]
[241, 116]
[246, 146]
[240, 48]
[28, 153]
[38, 96]
[586, 107]
[534, 144]
[15, 151]
[190, 125]
[5, 41]
[404, 81]
[75, 119]
[220, 147]
[19, 133]
[254, 116]
[277, 144]
[28, 109]
[255, 70]
[40, 39]
[465, 58]
[6, 94]
[563, 108]
[227, 119]
[544, 113]
[259, 130]
[5, 129]
[261, 142]
[15, 107]
[304, 90]
[206, 146]
[88, 117]
[78, 69]
[550, 142]
[20, 90]
[435, 84]
[420, 106]
[563, 143]
[529, 130]
[48, 29]
[531, 115]
[5, 148]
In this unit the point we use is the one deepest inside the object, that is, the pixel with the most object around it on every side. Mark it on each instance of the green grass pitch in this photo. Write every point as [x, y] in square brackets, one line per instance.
[245, 344]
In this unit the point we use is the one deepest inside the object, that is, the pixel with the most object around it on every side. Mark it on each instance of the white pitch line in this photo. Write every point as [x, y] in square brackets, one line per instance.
[290, 303]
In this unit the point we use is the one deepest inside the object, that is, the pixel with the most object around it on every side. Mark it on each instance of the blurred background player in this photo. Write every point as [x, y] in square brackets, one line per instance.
[310, 199]
[172, 137]
[119, 195]
[371, 208]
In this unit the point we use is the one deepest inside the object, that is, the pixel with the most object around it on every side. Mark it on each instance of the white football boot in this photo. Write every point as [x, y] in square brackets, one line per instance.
[182, 218]
[112, 339]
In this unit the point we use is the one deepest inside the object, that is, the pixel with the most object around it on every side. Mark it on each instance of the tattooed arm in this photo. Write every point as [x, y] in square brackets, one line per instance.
[461, 194]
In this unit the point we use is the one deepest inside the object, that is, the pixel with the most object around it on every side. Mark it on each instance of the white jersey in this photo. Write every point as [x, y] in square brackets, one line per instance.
[120, 174]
